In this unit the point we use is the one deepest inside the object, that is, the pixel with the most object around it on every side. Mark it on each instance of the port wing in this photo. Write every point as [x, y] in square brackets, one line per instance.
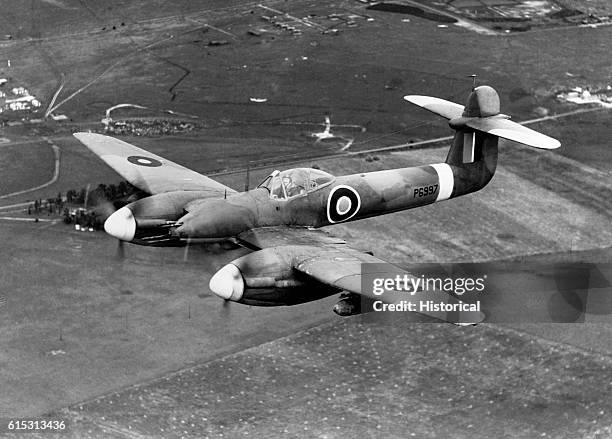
[147, 171]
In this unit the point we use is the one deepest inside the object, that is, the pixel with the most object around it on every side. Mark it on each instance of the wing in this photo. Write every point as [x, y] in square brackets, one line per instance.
[148, 172]
[336, 264]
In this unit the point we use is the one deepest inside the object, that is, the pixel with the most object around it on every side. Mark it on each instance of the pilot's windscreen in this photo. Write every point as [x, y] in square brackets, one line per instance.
[266, 183]
[276, 189]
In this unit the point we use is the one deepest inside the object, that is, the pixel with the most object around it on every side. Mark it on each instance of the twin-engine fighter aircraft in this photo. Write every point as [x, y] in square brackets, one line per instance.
[292, 262]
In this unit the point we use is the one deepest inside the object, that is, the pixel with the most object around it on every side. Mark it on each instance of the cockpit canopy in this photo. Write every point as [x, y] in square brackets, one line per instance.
[294, 182]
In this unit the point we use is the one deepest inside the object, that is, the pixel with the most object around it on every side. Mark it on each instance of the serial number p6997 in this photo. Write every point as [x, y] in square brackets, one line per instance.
[425, 191]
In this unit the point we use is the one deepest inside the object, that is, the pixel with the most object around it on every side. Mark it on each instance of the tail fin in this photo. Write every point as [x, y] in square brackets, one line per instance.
[478, 125]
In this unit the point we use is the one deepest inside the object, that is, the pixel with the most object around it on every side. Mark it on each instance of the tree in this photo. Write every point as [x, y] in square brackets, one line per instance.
[81, 196]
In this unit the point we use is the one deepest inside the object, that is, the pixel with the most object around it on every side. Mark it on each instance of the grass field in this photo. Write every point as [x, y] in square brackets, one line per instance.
[358, 377]
[25, 166]
[133, 320]
[77, 322]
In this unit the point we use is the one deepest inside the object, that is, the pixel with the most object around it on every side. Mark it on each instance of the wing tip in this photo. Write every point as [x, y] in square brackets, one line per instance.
[529, 138]
[441, 107]
[471, 318]
[552, 144]
[510, 130]
[85, 136]
[419, 100]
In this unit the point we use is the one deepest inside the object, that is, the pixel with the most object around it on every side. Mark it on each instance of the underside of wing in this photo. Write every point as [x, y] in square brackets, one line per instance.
[331, 261]
[147, 171]
[510, 130]
[264, 237]
[355, 272]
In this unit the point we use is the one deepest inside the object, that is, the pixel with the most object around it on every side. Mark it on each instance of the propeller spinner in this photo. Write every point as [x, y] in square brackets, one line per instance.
[121, 224]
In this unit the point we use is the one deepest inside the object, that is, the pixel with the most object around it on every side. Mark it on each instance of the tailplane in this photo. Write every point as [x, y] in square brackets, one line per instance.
[478, 126]
[481, 113]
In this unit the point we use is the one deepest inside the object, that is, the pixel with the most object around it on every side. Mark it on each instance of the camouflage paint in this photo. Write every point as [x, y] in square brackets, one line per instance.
[347, 198]
[469, 166]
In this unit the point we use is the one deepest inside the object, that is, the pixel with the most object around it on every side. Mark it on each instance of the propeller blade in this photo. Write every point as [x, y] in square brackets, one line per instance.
[225, 309]
[105, 209]
[186, 252]
[120, 253]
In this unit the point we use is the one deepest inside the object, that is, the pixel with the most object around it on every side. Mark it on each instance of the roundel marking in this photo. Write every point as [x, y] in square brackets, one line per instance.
[144, 161]
[343, 203]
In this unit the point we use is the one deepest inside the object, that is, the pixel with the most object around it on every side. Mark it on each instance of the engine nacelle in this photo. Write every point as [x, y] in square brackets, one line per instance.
[267, 278]
[149, 221]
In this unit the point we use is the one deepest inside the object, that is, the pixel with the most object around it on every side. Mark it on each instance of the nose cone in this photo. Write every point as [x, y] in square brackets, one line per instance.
[121, 224]
[227, 283]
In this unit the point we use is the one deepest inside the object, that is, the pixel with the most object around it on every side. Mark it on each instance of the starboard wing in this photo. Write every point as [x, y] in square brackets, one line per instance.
[332, 262]
[147, 171]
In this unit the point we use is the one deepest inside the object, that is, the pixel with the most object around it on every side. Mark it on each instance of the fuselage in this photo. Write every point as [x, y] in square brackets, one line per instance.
[345, 198]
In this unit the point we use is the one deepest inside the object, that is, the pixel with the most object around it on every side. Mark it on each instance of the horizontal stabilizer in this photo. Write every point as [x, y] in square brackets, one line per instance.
[441, 107]
[507, 129]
